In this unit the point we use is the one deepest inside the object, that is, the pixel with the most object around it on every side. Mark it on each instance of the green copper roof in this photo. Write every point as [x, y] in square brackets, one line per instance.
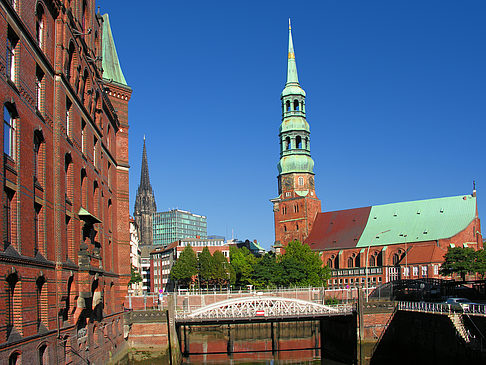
[415, 221]
[294, 124]
[111, 64]
[295, 163]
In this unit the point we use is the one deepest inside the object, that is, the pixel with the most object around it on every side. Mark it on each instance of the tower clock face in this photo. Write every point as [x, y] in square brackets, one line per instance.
[288, 183]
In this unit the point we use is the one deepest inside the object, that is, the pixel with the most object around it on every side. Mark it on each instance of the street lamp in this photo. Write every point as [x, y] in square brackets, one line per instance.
[367, 261]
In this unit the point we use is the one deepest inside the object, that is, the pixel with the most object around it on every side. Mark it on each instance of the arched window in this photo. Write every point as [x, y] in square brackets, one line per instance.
[12, 40]
[285, 228]
[298, 142]
[83, 85]
[43, 360]
[68, 160]
[69, 61]
[296, 226]
[14, 359]
[9, 126]
[350, 262]
[287, 104]
[39, 25]
[83, 187]
[39, 283]
[296, 105]
[38, 158]
[287, 141]
[396, 259]
[306, 144]
[301, 181]
[12, 280]
[372, 261]
[330, 263]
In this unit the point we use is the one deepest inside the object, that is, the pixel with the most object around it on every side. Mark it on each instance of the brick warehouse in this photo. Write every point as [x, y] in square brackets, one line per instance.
[65, 209]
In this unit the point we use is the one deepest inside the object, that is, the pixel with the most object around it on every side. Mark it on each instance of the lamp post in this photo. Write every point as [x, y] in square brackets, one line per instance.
[367, 261]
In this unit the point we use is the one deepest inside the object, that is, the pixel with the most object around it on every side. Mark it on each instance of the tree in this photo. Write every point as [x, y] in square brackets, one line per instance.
[219, 268]
[480, 262]
[267, 271]
[459, 261]
[204, 264]
[302, 267]
[243, 263]
[135, 276]
[185, 267]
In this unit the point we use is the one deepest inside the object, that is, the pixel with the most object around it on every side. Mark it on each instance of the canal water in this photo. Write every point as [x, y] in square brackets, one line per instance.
[258, 343]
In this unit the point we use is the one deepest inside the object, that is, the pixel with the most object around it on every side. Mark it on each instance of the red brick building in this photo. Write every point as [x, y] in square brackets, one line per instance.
[394, 241]
[65, 184]
[162, 259]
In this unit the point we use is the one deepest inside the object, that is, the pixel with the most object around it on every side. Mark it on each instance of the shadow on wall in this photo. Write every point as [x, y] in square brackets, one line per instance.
[421, 338]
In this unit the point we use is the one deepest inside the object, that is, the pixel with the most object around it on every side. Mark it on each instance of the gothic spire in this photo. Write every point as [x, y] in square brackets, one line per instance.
[292, 77]
[144, 175]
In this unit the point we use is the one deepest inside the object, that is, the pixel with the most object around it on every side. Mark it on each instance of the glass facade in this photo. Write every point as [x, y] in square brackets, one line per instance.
[176, 225]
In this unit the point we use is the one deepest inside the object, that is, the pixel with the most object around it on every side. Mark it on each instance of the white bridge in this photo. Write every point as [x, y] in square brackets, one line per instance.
[259, 308]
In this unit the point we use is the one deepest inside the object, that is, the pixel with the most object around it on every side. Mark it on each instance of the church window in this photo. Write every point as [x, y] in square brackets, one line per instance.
[287, 104]
[69, 60]
[296, 226]
[287, 142]
[39, 76]
[298, 142]
[285, 228]
[396, 259]
[372, 261]
[296, 105]
[350, 262]
[301, 181]
[330, 263]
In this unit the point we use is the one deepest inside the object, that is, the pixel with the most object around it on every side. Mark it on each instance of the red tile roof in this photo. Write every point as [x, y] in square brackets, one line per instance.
[338, 229]
[427, 252]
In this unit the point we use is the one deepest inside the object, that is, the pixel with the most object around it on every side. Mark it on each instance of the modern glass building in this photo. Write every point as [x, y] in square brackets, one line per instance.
[177, 225]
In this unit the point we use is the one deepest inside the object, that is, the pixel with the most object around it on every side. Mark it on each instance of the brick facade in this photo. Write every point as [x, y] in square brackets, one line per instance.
[65, 197]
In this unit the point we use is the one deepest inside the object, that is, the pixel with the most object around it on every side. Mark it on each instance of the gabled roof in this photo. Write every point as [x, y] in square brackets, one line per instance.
[406, 222]
[421, 254]
[338, 229]
[110, 63]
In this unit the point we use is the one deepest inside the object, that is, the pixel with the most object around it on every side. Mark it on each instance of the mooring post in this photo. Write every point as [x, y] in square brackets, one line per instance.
[229, 348]
[274, 338]
[186, 343]
[174, 348]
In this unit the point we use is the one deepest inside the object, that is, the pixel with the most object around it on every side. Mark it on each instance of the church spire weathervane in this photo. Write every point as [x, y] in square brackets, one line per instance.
[292, 77]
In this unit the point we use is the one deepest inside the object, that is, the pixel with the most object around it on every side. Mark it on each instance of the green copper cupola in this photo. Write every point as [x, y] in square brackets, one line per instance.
[294, 131]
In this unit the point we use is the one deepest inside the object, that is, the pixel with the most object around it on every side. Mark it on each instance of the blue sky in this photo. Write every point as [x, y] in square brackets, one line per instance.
[396, 95]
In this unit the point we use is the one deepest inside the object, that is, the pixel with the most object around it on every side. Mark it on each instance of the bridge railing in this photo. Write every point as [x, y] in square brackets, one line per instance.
[442, 308]
[186, 312]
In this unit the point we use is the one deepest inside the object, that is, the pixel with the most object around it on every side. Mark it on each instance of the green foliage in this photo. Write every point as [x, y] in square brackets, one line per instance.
[267, 272]
[243, 263]
[135, 276]
[302, 267]
[459, 261]
[185, 267]
[219, 268]
[204, 264]
[480, 262]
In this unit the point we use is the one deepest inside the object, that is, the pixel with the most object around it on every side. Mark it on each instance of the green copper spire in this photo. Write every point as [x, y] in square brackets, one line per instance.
[111, 65]
[292, 77]
[294, 131]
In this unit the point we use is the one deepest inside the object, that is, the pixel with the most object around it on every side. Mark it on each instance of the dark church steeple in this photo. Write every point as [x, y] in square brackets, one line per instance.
[145, 205]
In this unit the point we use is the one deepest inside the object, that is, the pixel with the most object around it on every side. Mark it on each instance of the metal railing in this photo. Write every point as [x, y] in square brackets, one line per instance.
[442, 308]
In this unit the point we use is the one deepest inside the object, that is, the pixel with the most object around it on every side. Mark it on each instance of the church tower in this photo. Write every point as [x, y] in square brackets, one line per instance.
[297, 204]
[145, 205]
